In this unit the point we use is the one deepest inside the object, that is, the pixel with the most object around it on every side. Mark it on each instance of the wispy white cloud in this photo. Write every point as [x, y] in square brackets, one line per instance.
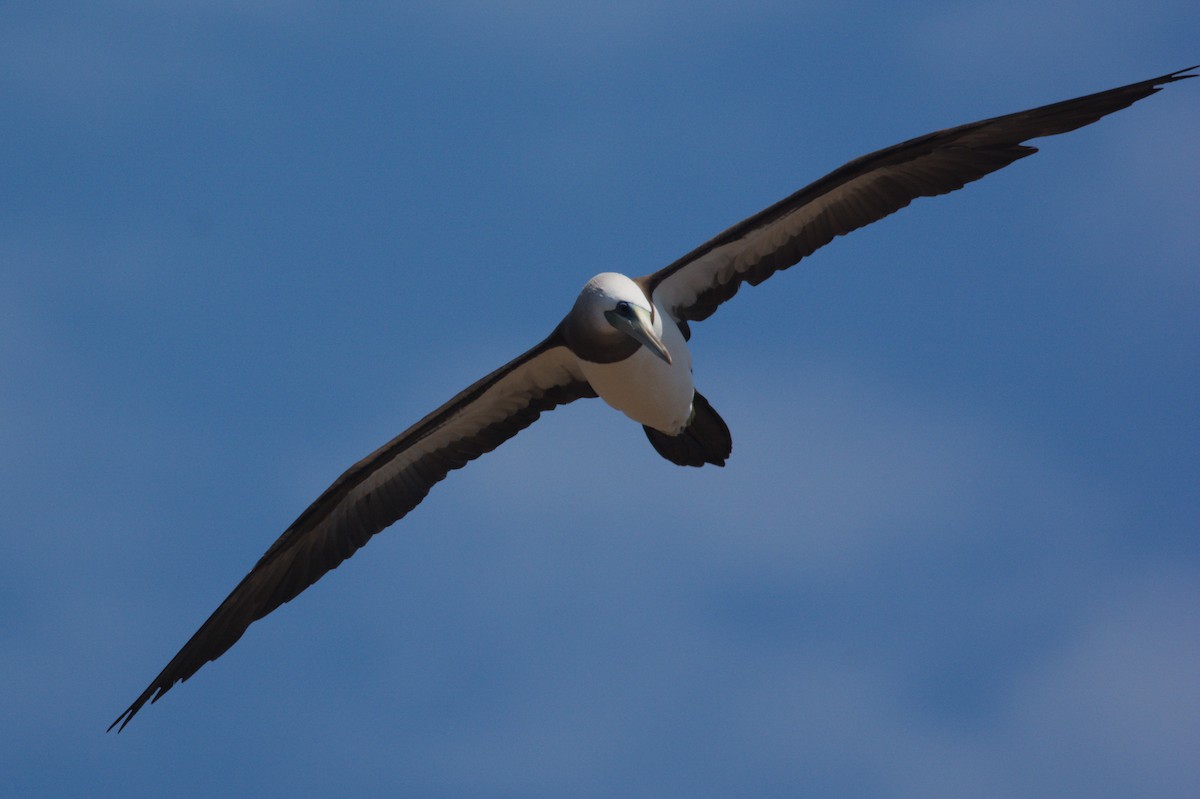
[1114, 707]
[895, 588]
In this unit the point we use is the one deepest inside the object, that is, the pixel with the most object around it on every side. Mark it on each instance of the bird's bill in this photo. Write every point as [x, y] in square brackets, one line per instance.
[641, 328]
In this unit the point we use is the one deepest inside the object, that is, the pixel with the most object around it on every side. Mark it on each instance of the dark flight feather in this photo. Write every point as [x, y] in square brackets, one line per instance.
[866, 190]
[375, 493]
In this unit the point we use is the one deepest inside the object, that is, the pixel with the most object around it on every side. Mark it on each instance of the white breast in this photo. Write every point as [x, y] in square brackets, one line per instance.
[644, 387]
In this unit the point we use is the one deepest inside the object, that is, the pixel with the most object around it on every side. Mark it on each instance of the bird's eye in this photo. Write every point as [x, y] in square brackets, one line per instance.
[623, 308]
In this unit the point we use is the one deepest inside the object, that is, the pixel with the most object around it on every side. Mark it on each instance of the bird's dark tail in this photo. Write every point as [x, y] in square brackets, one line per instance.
[706, 439]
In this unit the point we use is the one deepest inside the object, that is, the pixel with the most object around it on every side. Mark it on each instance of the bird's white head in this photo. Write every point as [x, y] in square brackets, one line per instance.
[604, 293]
[612, 311]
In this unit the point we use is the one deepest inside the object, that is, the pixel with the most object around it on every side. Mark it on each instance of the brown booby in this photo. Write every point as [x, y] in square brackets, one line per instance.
[624, 340]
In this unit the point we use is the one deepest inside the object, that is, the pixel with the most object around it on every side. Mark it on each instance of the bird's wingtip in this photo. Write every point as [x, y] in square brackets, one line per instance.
[1179, 74]
[127, 716]
[120, 721]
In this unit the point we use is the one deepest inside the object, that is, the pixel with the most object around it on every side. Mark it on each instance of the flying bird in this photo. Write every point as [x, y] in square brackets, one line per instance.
[625, 341]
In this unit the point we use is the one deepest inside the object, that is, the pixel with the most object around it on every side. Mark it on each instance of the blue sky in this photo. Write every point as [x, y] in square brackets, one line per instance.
[954, 552]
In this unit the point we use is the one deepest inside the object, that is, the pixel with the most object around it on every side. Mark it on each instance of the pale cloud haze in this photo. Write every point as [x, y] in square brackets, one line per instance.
[954, 552]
